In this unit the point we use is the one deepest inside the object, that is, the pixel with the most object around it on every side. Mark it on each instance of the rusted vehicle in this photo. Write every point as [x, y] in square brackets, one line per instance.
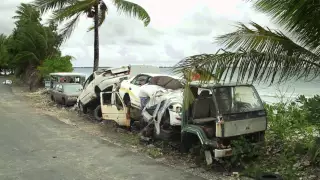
[65, 93]
[114, 109]
[214, 115]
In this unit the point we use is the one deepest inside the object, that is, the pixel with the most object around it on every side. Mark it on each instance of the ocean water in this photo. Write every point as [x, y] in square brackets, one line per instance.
[270, 94]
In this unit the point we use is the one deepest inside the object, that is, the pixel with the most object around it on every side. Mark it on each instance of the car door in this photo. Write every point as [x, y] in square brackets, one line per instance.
[58, 93]
[113, 108]
[134, 88]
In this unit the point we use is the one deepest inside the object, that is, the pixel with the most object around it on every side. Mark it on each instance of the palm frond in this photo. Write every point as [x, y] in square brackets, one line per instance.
[26, 12]
[69, 27]
[66, 12]
[252, 66]
[297, 16]
[132, 9]
[46, 5]
[25, 55]
[262, 40]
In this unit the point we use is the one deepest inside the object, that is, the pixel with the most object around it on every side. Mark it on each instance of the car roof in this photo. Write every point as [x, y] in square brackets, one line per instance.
[168, 75]
[212, 84]
[69, 84]
[67, 74]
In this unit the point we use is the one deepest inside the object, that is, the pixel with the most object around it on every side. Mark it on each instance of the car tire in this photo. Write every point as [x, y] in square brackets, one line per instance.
[97, 113]
[52, 98]
[64, 102]
[82, 108]
[269, 176]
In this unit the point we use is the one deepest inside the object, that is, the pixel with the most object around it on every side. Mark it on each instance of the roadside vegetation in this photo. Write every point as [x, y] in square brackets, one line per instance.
[31, 48]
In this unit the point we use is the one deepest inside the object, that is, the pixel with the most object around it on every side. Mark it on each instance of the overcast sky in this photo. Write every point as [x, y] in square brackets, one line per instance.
[178, 28]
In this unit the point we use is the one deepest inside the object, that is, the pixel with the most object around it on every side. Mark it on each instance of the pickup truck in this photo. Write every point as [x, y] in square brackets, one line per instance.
[104, 80]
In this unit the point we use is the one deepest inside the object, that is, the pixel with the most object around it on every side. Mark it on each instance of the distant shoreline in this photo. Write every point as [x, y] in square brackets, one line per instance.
[111, 67]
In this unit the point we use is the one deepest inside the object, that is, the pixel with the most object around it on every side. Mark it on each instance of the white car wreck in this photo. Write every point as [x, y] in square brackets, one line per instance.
[164, 107]
[105, 80]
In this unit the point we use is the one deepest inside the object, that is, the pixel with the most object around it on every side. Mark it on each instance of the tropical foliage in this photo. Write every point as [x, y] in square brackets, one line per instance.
[31, 45]
[55, 64]
[4, 55]
[254, 53]
[70, 11]
[292, 146]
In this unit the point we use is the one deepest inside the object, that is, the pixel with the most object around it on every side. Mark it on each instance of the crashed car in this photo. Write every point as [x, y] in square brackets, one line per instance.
[114, 109]
[164, 108]
[165, 90]
[215, 115]
[104, 80]
[65, 93]
[130, 89]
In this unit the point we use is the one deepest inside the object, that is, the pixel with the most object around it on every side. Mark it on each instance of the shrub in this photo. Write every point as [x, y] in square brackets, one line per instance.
[56, 64]
[292, 146]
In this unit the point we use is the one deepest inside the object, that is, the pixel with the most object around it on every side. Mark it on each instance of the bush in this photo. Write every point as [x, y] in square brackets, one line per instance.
[56, 64]
[292, 146]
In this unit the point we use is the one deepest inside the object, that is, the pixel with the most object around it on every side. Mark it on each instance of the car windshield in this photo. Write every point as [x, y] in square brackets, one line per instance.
[166, 82]
[237, 99]
[72, 88]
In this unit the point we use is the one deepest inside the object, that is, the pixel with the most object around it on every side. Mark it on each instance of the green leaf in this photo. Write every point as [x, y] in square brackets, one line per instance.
[297, 16]
[132, 9]
[252, 66]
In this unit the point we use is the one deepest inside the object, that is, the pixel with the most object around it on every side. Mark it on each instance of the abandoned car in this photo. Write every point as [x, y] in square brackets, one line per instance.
[103, 81]
[214, 115]
[65, 93]
[63, 77]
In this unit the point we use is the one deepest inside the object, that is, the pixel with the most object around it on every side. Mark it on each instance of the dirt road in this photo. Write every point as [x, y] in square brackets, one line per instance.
[37, 146]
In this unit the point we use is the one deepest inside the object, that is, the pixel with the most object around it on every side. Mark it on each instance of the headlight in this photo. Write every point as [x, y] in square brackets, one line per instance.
[176, 107]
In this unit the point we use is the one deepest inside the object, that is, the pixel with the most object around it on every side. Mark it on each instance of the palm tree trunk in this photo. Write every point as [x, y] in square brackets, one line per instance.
[96, 37]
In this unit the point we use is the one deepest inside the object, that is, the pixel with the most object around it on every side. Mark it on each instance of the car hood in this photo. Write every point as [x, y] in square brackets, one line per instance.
[165, 98]
[73, 93]
[170, 96]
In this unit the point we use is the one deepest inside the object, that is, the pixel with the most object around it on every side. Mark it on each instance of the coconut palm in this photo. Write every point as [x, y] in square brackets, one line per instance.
[31, 42]
[4, 56]
[260, 53]
[71, 11]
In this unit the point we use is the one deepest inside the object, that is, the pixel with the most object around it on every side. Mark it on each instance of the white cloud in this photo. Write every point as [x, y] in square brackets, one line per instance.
[178, 29]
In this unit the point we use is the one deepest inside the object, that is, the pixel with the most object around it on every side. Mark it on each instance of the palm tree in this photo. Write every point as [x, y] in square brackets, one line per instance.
[4, 56]
[71, 10]
[260, 53]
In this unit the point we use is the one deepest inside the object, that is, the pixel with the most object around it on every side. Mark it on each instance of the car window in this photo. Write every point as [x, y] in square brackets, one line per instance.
[59, 87]
[72, 88]
[141, 80]
[88, 81]
[118, 102]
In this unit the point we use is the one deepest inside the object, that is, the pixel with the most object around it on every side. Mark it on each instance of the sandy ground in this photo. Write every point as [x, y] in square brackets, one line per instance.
[41, 104]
